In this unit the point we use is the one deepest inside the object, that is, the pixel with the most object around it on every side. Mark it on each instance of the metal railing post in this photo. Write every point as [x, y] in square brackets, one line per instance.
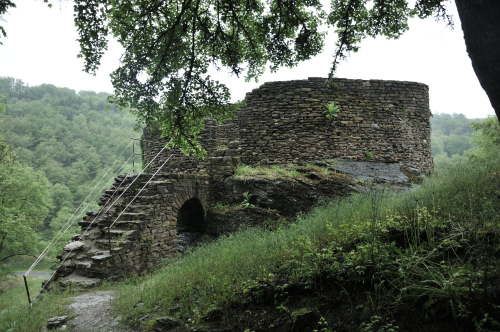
[109, 233]
[27, 290]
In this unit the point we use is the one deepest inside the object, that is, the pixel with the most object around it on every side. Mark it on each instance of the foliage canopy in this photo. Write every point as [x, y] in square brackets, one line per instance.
[486, 137]
[24, 204]
[169, 47]
[71, 137]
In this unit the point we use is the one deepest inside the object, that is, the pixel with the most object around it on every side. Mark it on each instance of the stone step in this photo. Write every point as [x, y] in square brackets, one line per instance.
[116, 250]
[76, 280]
[104, 244]
[159, 182]
[75, 246]
[105, 200]
[133, 207]
[93, 215]
[79, 237]
[137, 183]
[94, 252]
[113, 233]
[82, 267]
[138, 208]
[130, 216]
[81, 256]
[76, 237]
[66, 268]
[84, 224]
[82, 264]
[148, 191]
[120, 178]
[101, 258]
[144, 199]
[130, 224]
[124, 234]
[65, 255]
[114, 191]
[101, 221]
[161, 178]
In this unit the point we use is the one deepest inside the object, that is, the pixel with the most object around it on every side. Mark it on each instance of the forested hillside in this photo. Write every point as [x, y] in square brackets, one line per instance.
[73, 138]
[451, 135]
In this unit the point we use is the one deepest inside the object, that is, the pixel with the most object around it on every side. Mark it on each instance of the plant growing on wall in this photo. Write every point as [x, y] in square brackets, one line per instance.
[368, 156]
[332, 111]
[246, 200]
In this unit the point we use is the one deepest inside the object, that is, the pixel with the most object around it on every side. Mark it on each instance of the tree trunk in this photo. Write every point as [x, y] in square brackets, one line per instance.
[481, 27]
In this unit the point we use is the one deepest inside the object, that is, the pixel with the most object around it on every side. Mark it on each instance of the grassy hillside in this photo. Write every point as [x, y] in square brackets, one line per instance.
[424, 260]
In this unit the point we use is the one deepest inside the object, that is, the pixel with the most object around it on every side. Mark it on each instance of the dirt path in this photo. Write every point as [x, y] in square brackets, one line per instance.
[93, 312]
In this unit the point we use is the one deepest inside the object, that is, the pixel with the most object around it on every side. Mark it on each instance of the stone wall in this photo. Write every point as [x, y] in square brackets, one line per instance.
[218, 140]
[283, 122]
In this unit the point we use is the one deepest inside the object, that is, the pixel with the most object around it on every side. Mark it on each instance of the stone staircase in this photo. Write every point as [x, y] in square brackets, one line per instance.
[100, 252]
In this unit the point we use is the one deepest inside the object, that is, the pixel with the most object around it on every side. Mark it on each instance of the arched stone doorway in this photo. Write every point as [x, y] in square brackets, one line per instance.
[191, 223]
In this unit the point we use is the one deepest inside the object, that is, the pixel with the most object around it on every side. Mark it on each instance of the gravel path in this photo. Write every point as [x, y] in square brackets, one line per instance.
[93, 312]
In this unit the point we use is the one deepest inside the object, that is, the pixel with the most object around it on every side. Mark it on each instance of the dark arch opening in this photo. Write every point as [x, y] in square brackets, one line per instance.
[191, 224]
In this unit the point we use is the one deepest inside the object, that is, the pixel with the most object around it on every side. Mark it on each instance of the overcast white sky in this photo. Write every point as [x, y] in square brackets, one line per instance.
[41, 48]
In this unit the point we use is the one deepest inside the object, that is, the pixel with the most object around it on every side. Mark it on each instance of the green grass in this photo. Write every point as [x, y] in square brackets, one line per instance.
[435, 233]
[273, 172]
[16, 314]
[22, 264]
[289, 171]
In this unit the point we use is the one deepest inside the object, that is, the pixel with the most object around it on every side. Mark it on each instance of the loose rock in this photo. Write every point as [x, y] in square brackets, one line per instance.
[56, 322]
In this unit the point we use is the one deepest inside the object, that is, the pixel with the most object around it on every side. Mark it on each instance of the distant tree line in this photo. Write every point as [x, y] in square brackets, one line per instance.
[451, 135]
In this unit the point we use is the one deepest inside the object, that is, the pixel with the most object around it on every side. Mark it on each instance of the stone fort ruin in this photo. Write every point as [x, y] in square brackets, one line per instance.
[380, 123]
